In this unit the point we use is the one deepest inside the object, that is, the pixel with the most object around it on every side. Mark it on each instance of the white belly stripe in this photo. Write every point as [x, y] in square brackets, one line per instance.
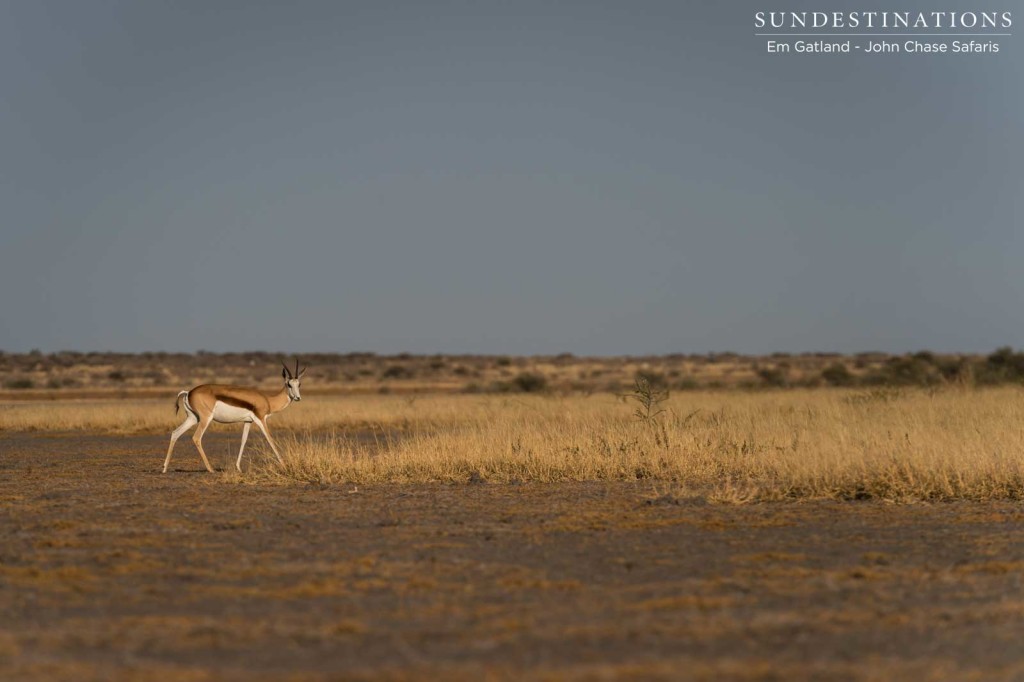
[229, 414]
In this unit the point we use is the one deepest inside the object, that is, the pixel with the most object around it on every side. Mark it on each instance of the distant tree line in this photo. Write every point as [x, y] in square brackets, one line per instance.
[1004, 366]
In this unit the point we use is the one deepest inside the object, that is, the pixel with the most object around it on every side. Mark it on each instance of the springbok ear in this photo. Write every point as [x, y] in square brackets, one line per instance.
[302, 372]
[284, 373]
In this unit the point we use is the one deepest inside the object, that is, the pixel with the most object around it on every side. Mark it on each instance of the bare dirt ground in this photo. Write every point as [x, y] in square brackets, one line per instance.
[111, 571]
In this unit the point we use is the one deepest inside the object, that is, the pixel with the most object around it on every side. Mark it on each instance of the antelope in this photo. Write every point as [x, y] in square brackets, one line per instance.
[231, 405]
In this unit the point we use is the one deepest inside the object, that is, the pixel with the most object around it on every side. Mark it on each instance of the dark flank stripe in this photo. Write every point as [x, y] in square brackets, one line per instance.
[235, 402]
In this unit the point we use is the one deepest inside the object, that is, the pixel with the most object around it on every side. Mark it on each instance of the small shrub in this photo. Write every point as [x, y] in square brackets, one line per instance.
[955, 369]
[528, 382]
[397, 372]
[688, 384]
[156, 377]
[649, 398]
[837, 374]
[20, 383]
[906, 371]
[773, 376]
[650, 377]
[1001, 366]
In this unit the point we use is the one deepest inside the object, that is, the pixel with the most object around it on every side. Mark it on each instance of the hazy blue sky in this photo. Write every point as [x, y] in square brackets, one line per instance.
[497, 177]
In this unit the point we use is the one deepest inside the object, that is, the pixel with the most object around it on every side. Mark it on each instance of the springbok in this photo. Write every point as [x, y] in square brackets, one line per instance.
[230, 405]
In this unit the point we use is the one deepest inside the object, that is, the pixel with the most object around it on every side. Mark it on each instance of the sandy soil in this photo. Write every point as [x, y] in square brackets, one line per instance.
[111, 571]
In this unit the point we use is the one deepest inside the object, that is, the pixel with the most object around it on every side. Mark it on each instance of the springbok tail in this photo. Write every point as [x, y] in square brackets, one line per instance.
[177, 402]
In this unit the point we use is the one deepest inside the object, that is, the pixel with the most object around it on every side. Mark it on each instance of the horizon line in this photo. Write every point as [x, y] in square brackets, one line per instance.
[517, 355]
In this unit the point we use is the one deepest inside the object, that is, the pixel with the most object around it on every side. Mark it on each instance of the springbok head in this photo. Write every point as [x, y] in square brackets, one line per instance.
[292, 380]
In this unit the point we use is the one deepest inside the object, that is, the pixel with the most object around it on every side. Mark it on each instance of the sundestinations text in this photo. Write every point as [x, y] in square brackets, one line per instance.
[895, 20]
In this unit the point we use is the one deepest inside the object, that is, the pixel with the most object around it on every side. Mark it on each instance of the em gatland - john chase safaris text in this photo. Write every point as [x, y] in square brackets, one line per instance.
[890, 31]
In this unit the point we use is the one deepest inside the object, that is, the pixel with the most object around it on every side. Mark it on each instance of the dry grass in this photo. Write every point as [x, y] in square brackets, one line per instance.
[349, 413]
[734, 447]
[726, 446]
[109, 416]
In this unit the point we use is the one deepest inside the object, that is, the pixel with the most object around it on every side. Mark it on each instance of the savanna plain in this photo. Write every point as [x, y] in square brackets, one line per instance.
[506, 518]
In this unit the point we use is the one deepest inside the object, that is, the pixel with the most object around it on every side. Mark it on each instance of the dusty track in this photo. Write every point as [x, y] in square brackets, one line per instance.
[109, 570]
